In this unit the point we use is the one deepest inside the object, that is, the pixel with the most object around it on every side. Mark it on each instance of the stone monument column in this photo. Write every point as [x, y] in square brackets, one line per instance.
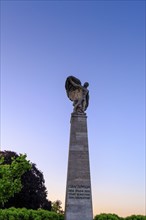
[78, 204]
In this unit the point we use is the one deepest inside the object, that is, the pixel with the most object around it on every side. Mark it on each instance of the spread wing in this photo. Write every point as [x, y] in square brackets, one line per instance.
[72, 89]
[75, 94]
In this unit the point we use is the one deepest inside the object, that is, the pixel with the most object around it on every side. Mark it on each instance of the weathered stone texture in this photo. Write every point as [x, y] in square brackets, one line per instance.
[78, 204]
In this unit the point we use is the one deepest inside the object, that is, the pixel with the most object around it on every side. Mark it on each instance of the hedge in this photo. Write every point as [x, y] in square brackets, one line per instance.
[28, 214]
[40, 214]
[104, 216]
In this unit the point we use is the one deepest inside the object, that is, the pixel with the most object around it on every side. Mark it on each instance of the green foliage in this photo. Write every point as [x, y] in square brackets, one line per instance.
[33, 194]
[40, 214]
[136, 217]
[28, 214]
[10, 176]
[104, 216]
[56, 207]
[61, 216]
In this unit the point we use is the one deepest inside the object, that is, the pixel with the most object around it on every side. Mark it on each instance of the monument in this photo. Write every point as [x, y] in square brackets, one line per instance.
[78, 204]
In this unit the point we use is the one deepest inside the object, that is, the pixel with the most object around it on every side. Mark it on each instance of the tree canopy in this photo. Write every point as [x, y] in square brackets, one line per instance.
[56, 207]
[33, 194]
[10, 177]
[106, 216]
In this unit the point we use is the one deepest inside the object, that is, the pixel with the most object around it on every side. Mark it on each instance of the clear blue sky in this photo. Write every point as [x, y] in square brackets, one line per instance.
[102, 42]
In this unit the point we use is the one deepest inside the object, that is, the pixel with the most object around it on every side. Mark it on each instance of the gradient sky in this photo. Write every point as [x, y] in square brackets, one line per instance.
[102, 42]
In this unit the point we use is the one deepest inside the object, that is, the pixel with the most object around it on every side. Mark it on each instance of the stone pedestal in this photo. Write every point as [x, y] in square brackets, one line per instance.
[78, 205]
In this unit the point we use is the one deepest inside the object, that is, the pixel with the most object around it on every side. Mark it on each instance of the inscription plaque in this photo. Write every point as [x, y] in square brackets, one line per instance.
[79, 192]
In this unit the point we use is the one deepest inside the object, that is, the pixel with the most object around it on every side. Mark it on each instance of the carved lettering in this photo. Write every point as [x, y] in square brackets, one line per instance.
[79, 192]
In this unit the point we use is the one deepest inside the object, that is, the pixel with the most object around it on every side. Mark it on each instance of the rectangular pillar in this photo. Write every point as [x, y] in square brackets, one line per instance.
[78, 204]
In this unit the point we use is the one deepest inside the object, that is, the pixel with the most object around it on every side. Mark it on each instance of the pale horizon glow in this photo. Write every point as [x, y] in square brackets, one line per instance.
[103, 43]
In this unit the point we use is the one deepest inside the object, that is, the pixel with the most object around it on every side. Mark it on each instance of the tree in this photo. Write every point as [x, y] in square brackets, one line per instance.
[33, 194]
[104, 216]
[136, 217]
[56, 207]
[10, 177]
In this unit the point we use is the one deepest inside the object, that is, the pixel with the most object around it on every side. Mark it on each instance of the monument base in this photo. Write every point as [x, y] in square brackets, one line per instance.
[78, 205]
